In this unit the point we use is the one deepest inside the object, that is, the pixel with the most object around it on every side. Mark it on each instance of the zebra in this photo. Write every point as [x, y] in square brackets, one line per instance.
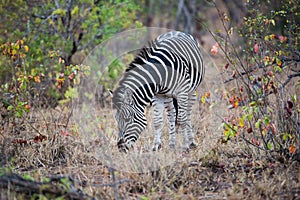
[165, 74]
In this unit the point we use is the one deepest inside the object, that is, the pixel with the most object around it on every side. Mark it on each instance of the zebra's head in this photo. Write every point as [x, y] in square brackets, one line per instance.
[131, 120]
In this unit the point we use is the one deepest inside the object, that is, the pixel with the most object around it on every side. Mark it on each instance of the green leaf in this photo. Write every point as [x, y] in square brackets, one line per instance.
[267, 119]
[10, 107]
[59, 11]
[250, 117]
[252, 103]
[138, 24]
[294, 98]
[213, 104]
[257, 124]
[71, 93]
[19, 113]
[269, 145]
[65, 181]
[144, 198]
[286, 136]
[28, 177]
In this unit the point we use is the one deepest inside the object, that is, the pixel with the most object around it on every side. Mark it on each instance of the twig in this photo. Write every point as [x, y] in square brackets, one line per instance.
[288, 80]
[107, 184]
[283, 59]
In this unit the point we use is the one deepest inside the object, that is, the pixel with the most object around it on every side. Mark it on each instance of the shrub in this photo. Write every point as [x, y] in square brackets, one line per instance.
[261, 76]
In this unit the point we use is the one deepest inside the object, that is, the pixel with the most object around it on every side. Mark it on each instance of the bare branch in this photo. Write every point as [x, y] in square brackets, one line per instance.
[56, 4]
[290, 77]
[179, 11]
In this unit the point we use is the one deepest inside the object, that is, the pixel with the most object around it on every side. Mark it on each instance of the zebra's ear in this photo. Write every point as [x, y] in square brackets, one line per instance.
[128, 99]
[111, 93]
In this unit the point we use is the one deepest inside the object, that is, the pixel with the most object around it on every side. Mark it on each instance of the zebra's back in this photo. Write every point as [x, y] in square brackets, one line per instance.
[172, 61]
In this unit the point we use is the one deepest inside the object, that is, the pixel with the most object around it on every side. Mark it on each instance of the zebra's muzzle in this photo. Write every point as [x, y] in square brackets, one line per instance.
[122, 146]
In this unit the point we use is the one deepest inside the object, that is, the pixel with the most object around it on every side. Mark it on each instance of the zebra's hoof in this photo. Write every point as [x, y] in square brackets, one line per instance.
[193, 145]
[185, 150]
[172, 146]
[156, 147]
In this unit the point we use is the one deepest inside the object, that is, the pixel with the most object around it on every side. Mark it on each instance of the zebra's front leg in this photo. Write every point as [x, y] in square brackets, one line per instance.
[182, 120]
[158, 107]
[190, 134]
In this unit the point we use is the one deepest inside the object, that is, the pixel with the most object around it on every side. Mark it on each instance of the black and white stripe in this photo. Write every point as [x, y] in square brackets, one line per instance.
[170, 68]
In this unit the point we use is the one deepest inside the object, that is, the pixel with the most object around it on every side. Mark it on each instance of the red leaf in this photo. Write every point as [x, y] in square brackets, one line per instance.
[66, 133]
[282, 38]
[273, 128]
[255, 48]
[259, 78]
[226, 66]
[215, 48]
[71, 76]
[290, 104]
[19, 141]
[234, 73]
[242, 89]
[249, 130]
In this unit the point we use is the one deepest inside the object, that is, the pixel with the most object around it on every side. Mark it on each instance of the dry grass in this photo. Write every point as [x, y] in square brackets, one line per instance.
[212, 171]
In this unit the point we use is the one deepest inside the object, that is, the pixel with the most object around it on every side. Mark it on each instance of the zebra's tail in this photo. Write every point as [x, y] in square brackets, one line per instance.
[175, 103]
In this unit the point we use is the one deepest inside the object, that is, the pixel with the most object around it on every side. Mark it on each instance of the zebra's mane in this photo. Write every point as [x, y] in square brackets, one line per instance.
[142, 54]
[118, 96]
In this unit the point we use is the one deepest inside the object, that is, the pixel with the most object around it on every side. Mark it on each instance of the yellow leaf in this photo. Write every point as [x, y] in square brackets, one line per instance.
[14, 52]
[37, 79]
[75, 10]
[26, 48]
[266, 38]
[203, 99]
[241, 122]
[235, 104]
[230, 32]
[111, 20]
[272, 22]
[127, 24]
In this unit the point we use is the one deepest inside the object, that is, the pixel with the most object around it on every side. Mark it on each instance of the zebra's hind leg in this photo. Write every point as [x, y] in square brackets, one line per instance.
[190, 134]
[182, 101]
[158, 105]
[171, 113]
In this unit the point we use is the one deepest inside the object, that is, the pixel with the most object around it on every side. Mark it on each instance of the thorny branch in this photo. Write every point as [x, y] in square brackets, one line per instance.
[283, 59]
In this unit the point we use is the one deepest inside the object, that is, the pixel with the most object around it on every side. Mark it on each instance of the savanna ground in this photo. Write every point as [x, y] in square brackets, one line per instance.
[48, 153]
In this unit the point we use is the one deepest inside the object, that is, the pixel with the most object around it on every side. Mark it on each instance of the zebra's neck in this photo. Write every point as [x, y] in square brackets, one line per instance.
[135, 90]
